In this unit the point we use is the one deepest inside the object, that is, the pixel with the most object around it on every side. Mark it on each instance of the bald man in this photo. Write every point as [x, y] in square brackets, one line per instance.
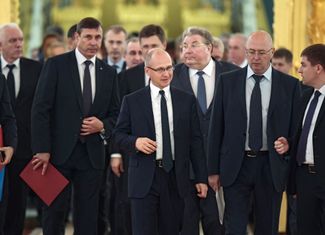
[158, 125]
[253, 107]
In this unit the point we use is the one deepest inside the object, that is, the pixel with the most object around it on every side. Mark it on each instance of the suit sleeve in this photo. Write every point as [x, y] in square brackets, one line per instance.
[197, 154]
[7, 117]
[122, 133]
[113, 109]
[41, 108]
[215, 131]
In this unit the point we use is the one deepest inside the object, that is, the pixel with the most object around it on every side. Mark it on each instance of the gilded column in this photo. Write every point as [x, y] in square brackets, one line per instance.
[9, 11]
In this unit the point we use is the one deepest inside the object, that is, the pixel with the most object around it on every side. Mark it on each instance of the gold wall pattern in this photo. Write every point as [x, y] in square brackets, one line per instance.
[316, 25]
[9, 11]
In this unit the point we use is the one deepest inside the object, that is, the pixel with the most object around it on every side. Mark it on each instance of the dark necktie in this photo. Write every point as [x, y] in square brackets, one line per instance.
[301, 150]
[201, 93]
[115, 66]
[87, 93]
[255, 117]
[167, 149]
[11, 83]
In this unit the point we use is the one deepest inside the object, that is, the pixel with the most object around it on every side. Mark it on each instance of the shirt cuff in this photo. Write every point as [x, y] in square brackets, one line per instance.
[116, 155]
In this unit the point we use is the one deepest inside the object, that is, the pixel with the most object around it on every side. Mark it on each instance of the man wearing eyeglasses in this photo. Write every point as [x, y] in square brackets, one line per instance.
[197, 44]
[254, 108]
[159, 127]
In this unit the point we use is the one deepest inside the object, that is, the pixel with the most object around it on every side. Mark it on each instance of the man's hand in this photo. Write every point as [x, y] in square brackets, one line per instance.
[91, 125]
[202, 190]
[145, 145]
[117, 166]
[7, 153]
[41, 159]
[214, 182]
[281, 145]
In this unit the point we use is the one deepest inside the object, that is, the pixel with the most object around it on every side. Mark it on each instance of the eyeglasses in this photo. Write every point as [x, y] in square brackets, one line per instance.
[161, 70]
[252, 52]
[193, 46]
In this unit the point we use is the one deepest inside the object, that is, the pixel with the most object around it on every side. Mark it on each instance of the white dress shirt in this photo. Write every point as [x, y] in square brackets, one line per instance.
[265, 85]
[155, 100]
[15, 71]
[309, 147]
[209, 80]
[81, 67]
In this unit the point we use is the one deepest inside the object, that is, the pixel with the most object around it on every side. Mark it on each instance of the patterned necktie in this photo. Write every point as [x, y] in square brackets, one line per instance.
[302, 144]
[255, 131]
[167, 149]
[87, 93]
[11, 83]
[201, 92]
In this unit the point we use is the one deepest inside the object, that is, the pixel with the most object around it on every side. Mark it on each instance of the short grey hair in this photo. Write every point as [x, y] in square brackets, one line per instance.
[204, 33]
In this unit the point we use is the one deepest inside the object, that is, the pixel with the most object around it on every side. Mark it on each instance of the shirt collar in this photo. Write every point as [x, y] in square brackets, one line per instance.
[4, 63]
[321, 90]
[155, 91]
[119, 63]
[81, 58]
[207, 69]
[267, 74]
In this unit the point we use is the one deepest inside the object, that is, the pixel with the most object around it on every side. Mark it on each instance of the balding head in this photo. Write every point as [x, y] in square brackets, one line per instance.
[259, 50]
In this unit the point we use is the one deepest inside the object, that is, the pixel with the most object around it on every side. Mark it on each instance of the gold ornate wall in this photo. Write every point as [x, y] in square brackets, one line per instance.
[297, 24]
[9, 11]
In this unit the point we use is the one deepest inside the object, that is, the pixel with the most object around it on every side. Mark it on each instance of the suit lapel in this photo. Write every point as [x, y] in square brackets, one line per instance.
[186, 83]
[75, 78]
[176, 102]
[147, 110]
[320, 115]
[241, 90]
[276, 91]
[99, 84]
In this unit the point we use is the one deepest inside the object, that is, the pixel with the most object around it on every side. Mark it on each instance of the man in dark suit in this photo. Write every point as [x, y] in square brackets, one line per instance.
[254, 107]
[75, 106]
[115, 44]
[158, 126]
[22, 76]
[197, 49]
[133, 79]
[9, 128]
[307, 175]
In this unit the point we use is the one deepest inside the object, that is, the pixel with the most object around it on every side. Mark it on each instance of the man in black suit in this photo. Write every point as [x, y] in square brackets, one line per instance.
[307, 175]
[197, 49]
[75, 106]
[22, 76]
[133, 79]
[254, 107]
[9, 128]
[158, 126]
[115, 44]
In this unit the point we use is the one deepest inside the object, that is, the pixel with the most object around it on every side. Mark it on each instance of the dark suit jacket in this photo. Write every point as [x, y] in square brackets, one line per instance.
[29, 73]
[181, 80]
[7, 117]
[318, 143]
[57, 111]
[131, 80]
[227, 134]
[136, 120]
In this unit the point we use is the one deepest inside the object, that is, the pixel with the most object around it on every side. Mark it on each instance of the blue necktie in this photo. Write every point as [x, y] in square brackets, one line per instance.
[87, 93]
[201, 93]
[255, 130]
[167, 149]
[302, 144]
[11, 83]
[2, 182]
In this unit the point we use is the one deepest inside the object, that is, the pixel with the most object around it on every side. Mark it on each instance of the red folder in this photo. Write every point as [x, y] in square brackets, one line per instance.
[47, 186]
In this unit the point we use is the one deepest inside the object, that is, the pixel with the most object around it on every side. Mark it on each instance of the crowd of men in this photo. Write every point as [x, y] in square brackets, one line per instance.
[146, 143]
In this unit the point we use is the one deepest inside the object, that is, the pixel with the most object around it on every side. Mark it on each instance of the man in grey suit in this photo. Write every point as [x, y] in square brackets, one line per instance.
[254, 107]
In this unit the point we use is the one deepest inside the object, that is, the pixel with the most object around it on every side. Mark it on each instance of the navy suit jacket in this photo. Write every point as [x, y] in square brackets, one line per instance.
[227, 136]
[318, 142]
[131, 80]
[57, 111]
[136, 120]
[29, 74]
